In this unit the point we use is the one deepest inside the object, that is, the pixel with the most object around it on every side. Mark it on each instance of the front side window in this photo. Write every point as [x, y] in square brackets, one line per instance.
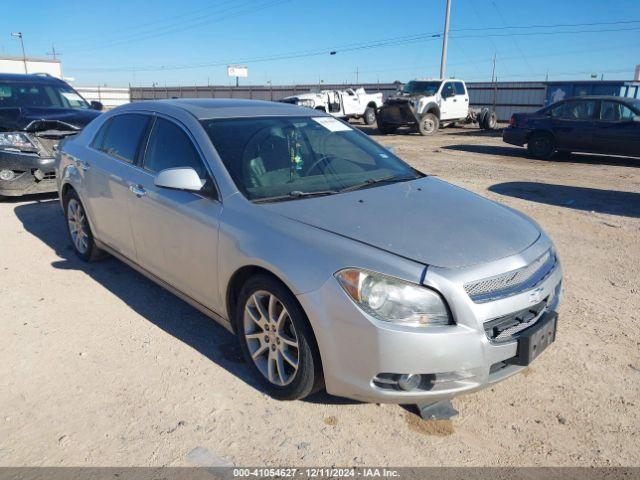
[170, 147]
[459, 88]
[616, 112]
[280, 156]
[122, 136]
[576, 110]
[39, 95]
[448, 90]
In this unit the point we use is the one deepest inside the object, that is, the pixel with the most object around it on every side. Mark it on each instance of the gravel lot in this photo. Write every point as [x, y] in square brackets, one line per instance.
[100, 367]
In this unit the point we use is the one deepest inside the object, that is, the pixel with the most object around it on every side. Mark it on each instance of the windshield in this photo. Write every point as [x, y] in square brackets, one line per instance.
[422, 88]
[297, 156]
[40, 95]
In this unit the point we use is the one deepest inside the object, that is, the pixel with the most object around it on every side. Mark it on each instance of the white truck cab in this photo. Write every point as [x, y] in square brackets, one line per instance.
[427, 104]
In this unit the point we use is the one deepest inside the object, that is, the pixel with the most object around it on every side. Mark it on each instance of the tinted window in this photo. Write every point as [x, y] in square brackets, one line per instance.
[41, 95]
[169, 147]
[447, 90]
[99, 138]
[616, 112]
[459, 88]
[123, 135]
[579, 110]
[422, 88]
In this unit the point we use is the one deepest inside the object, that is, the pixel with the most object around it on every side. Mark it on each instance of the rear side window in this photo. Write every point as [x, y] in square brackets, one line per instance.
[170, 147]
[122, 136]
[459, 88]
[578, 110]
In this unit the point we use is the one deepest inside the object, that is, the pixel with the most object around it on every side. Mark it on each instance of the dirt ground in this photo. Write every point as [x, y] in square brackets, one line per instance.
[100, 367]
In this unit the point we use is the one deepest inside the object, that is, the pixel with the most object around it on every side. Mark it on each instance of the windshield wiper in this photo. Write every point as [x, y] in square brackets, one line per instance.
[374, 181]
[295, 195]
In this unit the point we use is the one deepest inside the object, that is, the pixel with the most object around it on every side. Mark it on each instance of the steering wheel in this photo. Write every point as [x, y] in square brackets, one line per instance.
[324, 158]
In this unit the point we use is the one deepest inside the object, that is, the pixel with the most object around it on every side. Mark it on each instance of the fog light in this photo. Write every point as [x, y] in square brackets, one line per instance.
[409, 381]
[7, 175]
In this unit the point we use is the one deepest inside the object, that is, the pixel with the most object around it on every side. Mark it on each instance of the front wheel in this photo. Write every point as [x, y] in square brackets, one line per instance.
[370, 116]
[541, 146]
[276, 339]
[429, 124]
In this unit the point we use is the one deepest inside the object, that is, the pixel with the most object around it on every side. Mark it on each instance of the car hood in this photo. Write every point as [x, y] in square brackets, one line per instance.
[426, 220]
[36, 119]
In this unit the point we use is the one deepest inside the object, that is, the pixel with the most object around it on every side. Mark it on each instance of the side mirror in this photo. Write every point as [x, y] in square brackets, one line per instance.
[181, 178]
[96, 105]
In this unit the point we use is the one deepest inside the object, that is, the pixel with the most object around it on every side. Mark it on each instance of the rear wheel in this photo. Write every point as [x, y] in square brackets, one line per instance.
[79, 230]
[276, 339]
[541, 145]
[429, 124]
[369, 116]
[489, 121]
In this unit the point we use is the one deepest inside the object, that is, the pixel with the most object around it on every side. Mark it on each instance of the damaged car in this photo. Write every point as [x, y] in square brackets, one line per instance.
[36, 113]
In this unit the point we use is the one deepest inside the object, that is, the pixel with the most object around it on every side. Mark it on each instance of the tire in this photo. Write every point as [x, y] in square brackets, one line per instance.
[541, 145]
[271, 341]
[428, 125]
[386, 129]
[489, 121]
[369, 116]
[81, 237]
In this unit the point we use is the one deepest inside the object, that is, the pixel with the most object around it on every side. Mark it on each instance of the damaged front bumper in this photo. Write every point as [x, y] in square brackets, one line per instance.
[397, 113]
[25, 173]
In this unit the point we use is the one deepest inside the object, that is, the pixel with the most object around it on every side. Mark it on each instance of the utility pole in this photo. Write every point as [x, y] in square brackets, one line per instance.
[24, 56]
[357, 75]
[53, 54]
[445, 39]
[493, 71]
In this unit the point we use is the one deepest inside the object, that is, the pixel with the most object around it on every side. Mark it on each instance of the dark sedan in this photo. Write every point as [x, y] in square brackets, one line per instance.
[607, 125]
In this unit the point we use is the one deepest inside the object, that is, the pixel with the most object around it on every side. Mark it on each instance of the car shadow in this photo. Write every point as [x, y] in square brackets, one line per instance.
[611, 202]
[583, 158]
[44, 220]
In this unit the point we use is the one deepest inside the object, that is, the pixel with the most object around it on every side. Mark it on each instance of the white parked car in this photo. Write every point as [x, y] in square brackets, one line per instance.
[428, 104]
[349, 103]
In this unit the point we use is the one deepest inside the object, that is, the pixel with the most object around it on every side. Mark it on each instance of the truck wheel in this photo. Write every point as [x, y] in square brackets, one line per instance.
[489, 121]
[385, 129]
[369, 116]
[541, 145]
[428, 125]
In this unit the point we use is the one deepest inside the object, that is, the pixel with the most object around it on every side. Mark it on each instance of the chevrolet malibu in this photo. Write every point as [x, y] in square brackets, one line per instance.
[334, 262]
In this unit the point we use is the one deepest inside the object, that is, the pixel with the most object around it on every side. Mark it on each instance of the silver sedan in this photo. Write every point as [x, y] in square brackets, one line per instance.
[334, 262]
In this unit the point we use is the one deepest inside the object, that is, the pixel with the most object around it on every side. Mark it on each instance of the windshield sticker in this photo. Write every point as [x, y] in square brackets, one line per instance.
[332, 124]
[72, 97]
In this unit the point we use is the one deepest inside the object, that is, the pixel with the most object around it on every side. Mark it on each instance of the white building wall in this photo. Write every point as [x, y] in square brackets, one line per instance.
[110, 97]
[34, 65]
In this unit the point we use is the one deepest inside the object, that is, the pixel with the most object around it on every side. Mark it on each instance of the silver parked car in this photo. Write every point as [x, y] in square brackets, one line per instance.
[333, 261]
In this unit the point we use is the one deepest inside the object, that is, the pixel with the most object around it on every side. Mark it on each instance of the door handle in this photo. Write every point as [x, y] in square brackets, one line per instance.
[137, 190]
[83, 165]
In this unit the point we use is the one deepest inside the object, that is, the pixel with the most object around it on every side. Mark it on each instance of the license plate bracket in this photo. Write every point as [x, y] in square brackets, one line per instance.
[533, 341]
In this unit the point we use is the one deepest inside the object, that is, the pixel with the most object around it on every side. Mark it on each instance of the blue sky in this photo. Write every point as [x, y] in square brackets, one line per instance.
[141, 42]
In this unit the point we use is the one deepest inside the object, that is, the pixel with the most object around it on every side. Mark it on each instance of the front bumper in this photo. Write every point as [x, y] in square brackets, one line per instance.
[33, 174]
[356, 348]
[397, 113]
[515, 136]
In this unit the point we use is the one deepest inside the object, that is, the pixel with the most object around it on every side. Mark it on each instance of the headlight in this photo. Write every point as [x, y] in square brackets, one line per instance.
[394, 300]
[307, 102]
[16, 141]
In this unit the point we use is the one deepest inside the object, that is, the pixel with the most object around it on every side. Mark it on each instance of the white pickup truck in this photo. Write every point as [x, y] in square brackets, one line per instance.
[349, 103]
[426, 105]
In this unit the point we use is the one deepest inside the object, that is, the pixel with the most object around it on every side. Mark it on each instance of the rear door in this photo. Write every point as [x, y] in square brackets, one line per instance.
[572, 122]
[461, 100]
[615, 130]
[175, 231]
[351, 103]
[116, 147]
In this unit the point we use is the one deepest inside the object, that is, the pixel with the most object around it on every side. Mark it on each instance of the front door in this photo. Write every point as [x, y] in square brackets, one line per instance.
[175, 231]
[451, 105]
[351, 103]
[616, 131]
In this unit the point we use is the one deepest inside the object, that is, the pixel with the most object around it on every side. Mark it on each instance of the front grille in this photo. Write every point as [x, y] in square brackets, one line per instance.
[504, 328]
[513, 282]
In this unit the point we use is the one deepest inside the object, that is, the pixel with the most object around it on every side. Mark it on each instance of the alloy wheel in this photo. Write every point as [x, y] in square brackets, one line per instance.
[271, 338]
[77, 223]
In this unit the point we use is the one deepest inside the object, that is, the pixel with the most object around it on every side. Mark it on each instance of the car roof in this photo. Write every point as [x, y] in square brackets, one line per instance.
[32, 78]
[211, 108]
